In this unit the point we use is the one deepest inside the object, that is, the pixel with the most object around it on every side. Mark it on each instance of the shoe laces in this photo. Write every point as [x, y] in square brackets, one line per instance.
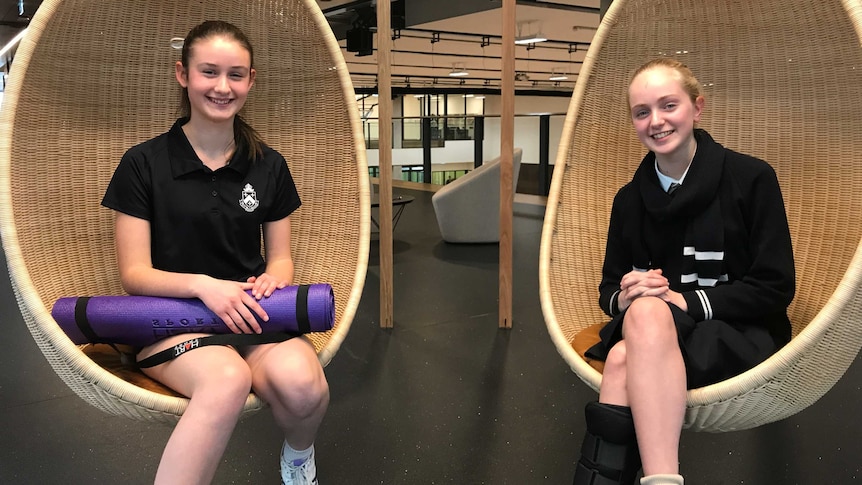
[304, 473]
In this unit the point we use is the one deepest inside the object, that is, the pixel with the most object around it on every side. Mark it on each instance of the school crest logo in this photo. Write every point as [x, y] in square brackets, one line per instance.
[249, 201]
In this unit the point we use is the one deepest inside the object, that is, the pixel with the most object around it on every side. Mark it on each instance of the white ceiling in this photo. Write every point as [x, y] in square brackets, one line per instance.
[418, 63]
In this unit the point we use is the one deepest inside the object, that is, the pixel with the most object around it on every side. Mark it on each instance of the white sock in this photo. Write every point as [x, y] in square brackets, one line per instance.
[668, 479]
[294, 457]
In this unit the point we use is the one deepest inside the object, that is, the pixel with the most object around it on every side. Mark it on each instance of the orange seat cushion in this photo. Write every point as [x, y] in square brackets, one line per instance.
[585, 339]
[108, 358]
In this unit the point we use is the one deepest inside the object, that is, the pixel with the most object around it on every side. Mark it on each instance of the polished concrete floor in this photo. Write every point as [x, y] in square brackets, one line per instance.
[444, 397]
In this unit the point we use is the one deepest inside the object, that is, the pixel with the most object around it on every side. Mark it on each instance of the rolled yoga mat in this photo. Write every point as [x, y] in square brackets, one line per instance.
[142, 320]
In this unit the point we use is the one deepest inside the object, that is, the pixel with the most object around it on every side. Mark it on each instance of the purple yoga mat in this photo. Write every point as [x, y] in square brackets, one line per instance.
[142, 320]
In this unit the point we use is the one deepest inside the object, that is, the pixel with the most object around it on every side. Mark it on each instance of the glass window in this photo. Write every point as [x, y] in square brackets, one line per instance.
[368, 113]
[411, 125]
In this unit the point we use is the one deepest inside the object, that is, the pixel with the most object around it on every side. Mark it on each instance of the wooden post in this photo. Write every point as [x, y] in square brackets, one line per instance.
[507, 148]
[384, 107]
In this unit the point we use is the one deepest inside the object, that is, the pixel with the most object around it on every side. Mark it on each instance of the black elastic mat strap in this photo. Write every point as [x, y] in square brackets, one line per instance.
[83, 322]
[238, 339]
[303, 323]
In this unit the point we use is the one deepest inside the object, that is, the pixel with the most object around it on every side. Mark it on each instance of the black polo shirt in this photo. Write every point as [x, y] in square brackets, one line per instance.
[202, 221]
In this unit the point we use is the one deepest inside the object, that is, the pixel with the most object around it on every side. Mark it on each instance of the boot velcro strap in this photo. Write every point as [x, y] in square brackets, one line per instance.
[609, 458]
[589, 476]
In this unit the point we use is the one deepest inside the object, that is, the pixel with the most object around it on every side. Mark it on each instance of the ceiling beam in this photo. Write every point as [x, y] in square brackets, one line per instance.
[559, 6]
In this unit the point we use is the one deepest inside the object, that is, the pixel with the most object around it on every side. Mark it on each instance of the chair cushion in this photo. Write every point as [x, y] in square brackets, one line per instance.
[585, 339]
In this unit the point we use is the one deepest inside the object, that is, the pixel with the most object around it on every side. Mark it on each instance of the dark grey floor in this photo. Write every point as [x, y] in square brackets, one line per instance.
[444, 397]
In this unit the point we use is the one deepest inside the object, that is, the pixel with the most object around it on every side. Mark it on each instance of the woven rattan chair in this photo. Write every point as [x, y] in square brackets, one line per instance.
[783, 81]
[93, 78]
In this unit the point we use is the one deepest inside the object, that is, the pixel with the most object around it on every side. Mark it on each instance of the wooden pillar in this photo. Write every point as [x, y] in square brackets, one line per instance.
[384, 107]
[507, 148]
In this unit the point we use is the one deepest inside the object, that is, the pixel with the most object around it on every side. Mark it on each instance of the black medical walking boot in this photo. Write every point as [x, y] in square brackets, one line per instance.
[609, 455]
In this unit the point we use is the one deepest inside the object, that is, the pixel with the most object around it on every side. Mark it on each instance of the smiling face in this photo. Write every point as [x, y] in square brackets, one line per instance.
[217, 77]
[664, 113]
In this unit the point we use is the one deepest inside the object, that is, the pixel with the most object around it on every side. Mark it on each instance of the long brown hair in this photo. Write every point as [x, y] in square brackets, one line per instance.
[246, 138]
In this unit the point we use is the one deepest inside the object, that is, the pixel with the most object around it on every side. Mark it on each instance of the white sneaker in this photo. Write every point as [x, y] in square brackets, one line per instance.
[304, 473]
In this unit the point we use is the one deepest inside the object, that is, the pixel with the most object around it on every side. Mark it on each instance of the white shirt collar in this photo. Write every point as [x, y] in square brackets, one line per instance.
[665, 181]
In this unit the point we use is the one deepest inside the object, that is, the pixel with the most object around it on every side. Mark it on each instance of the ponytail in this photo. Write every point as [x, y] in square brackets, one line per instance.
[247, 139]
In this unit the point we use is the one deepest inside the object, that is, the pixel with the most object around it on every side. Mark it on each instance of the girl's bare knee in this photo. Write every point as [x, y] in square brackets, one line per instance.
[646, 309]
[614, 376]
[648, 320]
[615, 365]
[226, 386]
[299, 384]
[616, 357]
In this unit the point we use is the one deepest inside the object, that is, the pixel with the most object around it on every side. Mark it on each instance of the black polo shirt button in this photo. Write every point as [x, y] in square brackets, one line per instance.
[215, 193]
[214, 178]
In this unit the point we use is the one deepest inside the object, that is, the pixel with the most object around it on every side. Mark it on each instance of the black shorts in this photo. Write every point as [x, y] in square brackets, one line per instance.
[713, 350]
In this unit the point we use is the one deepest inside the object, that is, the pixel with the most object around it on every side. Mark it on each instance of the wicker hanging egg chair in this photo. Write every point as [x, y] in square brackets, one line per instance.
[783, 82]
[93, 78]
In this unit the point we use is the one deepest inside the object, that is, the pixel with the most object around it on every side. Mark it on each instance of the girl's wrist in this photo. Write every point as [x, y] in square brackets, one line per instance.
[197, 282]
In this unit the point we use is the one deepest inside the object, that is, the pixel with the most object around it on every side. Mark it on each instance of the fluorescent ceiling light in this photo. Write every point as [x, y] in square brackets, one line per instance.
[526, 35]
[530, 39]
[458, 70]
[558, 74]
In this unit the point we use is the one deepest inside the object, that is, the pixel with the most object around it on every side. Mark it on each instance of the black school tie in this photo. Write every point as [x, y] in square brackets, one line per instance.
[672, 188]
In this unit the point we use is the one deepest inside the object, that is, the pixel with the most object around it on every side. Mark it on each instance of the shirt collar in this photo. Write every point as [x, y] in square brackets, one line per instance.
[665, 181]
[184, 160]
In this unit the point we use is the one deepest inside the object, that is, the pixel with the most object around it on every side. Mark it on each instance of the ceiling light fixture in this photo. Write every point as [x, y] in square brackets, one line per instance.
[557, 75]
[458, 70]
[529, 38]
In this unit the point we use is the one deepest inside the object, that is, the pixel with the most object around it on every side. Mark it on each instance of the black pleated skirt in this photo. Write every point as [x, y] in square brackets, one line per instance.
[713, 350]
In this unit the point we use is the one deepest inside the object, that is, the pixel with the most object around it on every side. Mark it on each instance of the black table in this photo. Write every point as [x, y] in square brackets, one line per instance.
[399, 202]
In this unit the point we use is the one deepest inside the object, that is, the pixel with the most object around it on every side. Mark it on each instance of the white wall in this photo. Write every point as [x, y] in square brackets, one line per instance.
[526, 134]
[527, 105]
[526, 137]
[455, 151]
